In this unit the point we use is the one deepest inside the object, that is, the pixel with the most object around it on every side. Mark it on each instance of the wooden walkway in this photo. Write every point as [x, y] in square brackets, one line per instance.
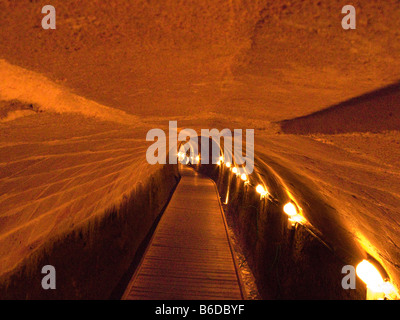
[189, 256]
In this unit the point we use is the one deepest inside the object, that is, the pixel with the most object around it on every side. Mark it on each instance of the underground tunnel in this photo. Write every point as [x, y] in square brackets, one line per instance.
[199, 150]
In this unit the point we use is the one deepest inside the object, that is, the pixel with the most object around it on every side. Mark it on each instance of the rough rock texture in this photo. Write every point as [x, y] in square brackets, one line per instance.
[268, 59]
[76, 193]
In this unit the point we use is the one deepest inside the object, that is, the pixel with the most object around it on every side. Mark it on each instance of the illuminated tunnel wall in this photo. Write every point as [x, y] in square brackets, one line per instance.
[288, 263]
[96, 260]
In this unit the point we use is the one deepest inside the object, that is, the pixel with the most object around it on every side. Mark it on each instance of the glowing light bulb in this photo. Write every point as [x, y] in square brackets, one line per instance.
[263, 192]
[368, 273]
[198, 159]
[219, 162]
[221, 159]
[296, 219]
[290, 209]
[234, 170]
[228, 164]
[260, 189]
[243, 177]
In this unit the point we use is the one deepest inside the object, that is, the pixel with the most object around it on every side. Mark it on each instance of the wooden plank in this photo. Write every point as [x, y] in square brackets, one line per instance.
[189, 256]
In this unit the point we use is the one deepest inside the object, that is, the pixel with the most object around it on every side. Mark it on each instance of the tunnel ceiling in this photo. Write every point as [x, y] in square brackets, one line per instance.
[267, 60]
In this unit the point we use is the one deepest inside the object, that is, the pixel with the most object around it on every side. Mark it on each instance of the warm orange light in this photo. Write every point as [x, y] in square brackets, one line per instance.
[243, 177]
[198, 159]
[260, 189]
[290, 209]
[367, 272]
[181, 156]
[228, 164]
[377, 287]
[234, 170]
[296, 219]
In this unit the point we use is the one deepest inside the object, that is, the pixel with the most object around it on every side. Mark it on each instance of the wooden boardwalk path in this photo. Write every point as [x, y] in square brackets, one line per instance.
[189, 256]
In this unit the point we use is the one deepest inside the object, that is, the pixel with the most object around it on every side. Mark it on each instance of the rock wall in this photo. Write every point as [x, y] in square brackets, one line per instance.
[287, 263]
[92, 260]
